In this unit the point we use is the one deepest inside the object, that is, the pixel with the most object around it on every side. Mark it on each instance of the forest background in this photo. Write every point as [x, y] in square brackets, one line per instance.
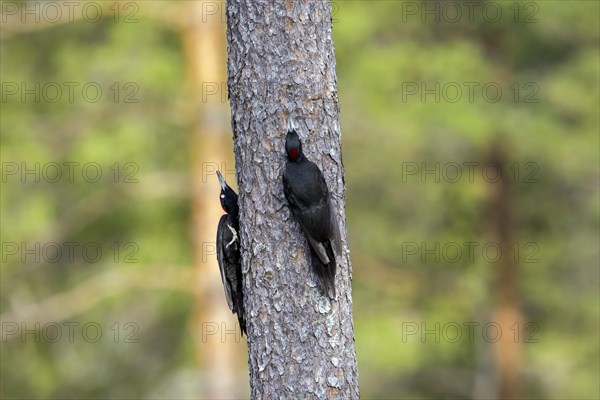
[470, 138]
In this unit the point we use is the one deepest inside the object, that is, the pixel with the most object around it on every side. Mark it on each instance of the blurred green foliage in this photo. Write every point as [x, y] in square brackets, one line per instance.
[545, 61]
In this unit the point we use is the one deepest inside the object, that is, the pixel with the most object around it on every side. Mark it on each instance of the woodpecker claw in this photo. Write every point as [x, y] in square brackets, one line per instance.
[235, 236]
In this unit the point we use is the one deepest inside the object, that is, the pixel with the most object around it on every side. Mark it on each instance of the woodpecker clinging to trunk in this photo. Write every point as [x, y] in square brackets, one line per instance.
[228, 252]
[310, 203]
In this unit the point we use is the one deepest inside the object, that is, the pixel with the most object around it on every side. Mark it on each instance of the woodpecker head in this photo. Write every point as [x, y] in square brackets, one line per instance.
[229, 199]
[293, 146]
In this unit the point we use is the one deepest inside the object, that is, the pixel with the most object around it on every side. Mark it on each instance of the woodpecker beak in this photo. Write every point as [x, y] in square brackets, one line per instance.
[221, 180]
[290, 125]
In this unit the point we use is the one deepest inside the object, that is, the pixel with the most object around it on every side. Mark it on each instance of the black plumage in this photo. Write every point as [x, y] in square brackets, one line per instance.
[310, 203]
[228, 252]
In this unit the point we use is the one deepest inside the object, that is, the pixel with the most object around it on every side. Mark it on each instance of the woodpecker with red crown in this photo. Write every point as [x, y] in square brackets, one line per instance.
[310, 203]
[228, 252]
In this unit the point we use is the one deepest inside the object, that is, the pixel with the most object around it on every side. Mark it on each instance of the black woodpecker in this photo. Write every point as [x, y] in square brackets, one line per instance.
[309, 201]
[228, 252]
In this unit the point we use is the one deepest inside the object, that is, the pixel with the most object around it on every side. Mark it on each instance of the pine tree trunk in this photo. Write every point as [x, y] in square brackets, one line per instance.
[505, 286]
[281, 61]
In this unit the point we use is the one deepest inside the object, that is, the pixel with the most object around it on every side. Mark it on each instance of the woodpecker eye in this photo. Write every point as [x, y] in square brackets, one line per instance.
[222, 196]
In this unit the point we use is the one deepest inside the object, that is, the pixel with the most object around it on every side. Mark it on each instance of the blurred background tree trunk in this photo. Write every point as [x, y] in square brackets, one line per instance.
[218, 340]
[507, 311]
[281, 62]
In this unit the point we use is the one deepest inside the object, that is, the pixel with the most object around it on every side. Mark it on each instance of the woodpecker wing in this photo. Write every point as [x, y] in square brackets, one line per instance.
[308, 196]
[336, 239]
[221, 243]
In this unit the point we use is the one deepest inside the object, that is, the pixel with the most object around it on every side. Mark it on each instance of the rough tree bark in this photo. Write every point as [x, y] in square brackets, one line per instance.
[281, 61]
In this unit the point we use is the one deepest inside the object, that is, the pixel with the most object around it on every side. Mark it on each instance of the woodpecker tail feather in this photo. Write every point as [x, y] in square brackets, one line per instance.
[241, 316]
[325, 271]
[242, 322]
[238, 309]
[332, 268]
